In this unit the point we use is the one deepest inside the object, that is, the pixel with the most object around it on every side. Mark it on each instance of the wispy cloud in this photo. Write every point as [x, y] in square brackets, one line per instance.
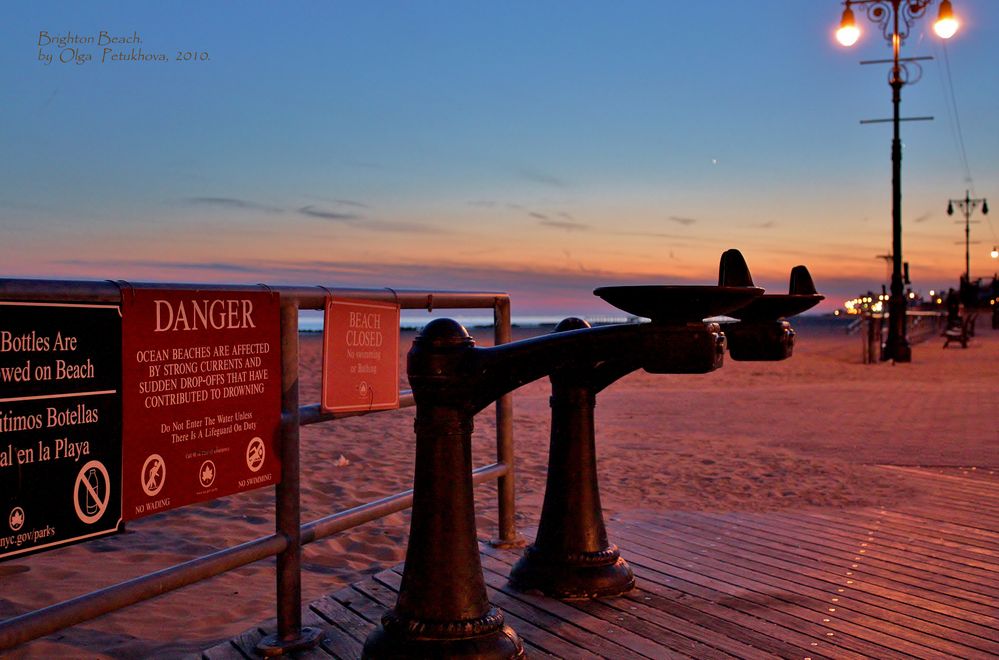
[361, 222]
[130, 264]
[544, 178]
[922, 218]
[402, 227]
[313, 212]
[564, 225]
[682, 221]
[339, 201]
[652, 234]
[350, 202]
[539, 216]
[770, 224]
[232, 203]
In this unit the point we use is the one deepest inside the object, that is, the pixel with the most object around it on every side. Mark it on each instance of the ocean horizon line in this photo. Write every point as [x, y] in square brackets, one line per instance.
[313, 322]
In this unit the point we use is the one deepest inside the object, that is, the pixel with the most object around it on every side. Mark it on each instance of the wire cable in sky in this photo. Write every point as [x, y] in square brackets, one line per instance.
[955, 115]
[956, 129]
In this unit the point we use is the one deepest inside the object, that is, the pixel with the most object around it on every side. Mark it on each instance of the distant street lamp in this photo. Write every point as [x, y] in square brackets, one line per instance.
[967, 205]
[895, 18]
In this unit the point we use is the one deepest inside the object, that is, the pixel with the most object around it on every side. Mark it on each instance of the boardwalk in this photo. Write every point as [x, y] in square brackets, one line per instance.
[909, 582]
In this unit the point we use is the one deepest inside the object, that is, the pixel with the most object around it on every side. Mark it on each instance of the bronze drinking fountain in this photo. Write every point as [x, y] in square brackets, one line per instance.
[442, 608]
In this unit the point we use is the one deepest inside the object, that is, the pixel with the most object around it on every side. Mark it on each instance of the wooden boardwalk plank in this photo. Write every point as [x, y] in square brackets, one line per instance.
[605, 638]
[227, 650]
[946, 530]
[764, 539]
[829, 543]
[946, 526]
[674, 639]
[900, 561]
[523, 619]
[905, 556]
[348, 629]
[776, 635]
[763, 603]
[879, 601]
[677, 617]
[887, 603]
[916, 581]
[863, 620]
[987, 479]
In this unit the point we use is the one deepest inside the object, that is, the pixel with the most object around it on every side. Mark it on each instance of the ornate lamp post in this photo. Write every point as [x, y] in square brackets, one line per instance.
[967, 205]
[895, 18]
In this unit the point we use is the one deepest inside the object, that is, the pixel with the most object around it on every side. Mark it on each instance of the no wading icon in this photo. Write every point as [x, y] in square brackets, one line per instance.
[92, 492]
[153, 475]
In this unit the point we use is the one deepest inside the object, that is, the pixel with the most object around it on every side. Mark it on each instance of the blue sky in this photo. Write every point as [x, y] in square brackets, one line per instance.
[542, 148]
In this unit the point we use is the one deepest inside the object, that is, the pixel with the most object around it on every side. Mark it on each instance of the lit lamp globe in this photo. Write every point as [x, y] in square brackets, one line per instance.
[848, 32]
[946, 25]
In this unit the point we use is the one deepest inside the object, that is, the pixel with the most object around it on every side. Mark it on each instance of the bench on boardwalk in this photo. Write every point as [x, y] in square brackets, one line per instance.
[961, 333]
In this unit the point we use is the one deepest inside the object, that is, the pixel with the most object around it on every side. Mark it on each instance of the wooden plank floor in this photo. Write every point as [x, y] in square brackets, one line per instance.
[859, 583]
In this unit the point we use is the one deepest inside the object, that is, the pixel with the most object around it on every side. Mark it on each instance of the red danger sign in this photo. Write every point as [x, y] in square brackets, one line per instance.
[201, 396]
[360, 356]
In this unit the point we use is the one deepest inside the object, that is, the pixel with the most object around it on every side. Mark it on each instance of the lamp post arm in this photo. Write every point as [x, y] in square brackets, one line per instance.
[894, 17]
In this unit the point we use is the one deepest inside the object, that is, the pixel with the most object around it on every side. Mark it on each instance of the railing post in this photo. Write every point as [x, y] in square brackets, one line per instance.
[506, 486]
[867, 335]
[290, 635]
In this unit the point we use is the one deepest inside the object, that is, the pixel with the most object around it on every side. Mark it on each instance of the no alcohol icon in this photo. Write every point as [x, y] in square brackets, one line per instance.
[92, 492]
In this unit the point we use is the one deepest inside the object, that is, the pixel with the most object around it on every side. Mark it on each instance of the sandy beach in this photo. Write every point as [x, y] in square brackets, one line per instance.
[809, 432]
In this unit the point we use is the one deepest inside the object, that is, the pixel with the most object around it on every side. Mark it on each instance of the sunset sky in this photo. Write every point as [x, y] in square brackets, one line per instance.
[542, 148]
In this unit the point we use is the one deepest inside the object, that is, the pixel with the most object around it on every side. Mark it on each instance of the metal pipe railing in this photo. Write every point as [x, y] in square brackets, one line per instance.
[344, 520]
[290, 534]
[38, 623]
[506, 486]
[287, 497]
[306, 297]
[920, 326]
[313, 414]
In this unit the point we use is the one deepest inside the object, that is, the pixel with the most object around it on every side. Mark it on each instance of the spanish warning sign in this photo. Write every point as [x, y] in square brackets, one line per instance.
[360, 356]
[60, 424]
[201, 396]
